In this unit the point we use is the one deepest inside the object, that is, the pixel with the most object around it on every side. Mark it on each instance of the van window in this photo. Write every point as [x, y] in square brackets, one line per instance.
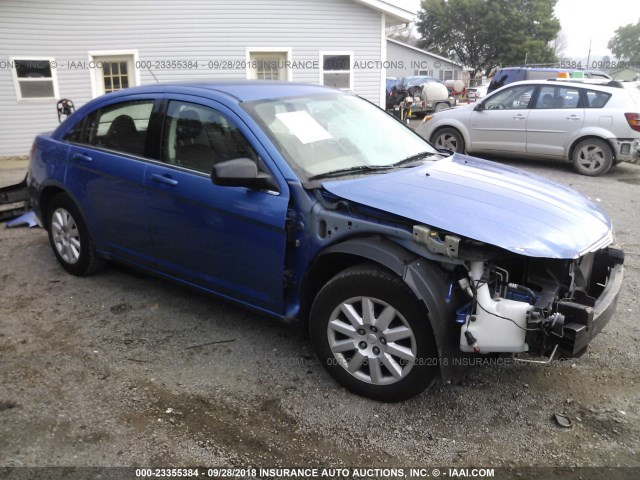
[504, 77]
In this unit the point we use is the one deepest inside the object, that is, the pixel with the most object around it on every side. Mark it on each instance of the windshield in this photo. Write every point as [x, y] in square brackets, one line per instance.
[321, 134]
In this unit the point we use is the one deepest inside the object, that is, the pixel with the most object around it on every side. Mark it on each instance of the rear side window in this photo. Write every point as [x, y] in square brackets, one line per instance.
[595, 99]
[121, 127]
[558, 97]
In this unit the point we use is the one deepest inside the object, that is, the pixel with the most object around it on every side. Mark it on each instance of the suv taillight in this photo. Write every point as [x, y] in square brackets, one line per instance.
[633, 119]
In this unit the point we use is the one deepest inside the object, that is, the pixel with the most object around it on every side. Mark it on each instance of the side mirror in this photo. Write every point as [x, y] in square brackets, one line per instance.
[241, 172]
[479, 107]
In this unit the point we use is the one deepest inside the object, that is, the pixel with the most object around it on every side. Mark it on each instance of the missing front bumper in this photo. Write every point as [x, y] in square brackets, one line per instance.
[584, 322]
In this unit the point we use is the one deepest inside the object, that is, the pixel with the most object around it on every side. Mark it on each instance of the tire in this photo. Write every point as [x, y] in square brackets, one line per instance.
[70, 238]
[592, 157]
[440, 107]
[448, 138]
[391, 357]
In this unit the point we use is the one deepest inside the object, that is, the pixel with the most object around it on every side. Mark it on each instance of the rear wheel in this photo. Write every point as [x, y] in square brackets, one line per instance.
[70, 238]
[449, 138]
[373, 335]
[592, 157]
[441, 106]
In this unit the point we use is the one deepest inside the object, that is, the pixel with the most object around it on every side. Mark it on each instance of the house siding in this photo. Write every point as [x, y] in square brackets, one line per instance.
[404, 61]
[168, 30]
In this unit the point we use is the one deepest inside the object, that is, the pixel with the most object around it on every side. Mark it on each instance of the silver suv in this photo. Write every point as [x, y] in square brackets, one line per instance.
[592, 125]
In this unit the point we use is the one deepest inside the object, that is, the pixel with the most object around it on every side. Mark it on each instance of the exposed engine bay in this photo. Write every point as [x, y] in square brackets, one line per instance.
[525, 304]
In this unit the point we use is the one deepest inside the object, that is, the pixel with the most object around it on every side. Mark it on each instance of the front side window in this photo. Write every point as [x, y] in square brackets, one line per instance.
[197, 137]
[320, 134]
[121, 127]
[35, 79]
[510, 99]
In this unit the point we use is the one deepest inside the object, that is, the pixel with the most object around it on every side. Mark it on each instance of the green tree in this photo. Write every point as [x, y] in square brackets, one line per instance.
[485, 33]
[625, 44]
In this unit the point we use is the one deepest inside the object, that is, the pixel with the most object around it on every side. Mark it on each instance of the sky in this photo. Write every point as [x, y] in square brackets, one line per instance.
[595, 20]
[583, 21]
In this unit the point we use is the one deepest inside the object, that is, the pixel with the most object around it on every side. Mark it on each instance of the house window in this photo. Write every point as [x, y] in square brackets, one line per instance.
[265, 65]
[447, 75]
[336, 70]
[427, 73]
[115, 75]
[113, 71]
[34, 78]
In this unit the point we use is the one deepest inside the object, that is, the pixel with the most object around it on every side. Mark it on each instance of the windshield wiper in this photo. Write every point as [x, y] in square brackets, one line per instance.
[352, 170]
[414, 158]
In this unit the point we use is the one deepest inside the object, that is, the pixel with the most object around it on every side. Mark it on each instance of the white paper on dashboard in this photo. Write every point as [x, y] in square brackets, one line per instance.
[304, 126]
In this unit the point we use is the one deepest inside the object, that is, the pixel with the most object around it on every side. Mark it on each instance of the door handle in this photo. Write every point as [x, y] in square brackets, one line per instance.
[163, 179]
[519, 117]
[573, 117]
[82, 157]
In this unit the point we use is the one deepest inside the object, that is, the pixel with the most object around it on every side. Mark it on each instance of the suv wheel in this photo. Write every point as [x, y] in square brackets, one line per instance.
[373, 335]
[449, 138]
[592, 157]
[69, 237]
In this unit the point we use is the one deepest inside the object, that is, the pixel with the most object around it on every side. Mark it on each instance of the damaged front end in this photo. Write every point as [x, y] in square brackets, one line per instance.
[526, 304]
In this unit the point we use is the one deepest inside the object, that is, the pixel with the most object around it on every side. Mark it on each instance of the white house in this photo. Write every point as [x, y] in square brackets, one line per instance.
[404, 59]
[80, 50]
[629, 74]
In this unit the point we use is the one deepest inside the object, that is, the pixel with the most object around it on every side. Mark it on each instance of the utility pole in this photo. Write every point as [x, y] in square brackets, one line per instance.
[589, 56]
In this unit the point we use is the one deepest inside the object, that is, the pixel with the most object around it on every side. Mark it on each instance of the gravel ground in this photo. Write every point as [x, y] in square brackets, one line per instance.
[123, 369]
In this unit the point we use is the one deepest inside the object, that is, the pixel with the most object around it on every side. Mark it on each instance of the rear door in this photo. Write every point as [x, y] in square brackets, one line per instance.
[554, 120]
[230, 240]
[105, 174]
[500, 126]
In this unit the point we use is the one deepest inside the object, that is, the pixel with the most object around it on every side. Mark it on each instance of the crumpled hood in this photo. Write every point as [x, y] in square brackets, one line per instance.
[485, 201]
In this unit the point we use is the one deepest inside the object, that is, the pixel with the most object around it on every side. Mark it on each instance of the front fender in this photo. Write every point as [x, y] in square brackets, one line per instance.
[427, 281]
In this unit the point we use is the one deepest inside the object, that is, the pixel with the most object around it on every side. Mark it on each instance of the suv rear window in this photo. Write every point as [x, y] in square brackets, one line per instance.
[596, 99]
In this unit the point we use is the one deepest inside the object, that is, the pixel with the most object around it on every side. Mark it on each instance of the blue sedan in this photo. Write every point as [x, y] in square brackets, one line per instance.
[303, 202]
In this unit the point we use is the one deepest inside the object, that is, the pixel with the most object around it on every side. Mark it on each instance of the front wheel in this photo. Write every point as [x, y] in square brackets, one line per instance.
[373, 335]
[592, 157]
[450, 139]
[70, 238]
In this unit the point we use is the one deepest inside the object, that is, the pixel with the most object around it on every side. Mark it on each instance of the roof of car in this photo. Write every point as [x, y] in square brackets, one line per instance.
[597, 85]
[241, 90]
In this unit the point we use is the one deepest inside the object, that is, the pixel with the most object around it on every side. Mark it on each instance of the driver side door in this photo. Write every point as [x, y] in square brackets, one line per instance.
[501, 124]
[227, 240]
